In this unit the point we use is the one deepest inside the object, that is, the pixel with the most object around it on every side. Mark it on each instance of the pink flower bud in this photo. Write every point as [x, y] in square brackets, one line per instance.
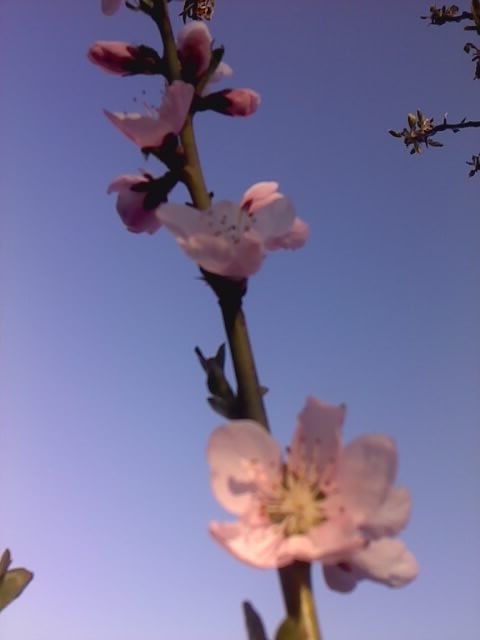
[125, 59]
[231, 102]
[131, 207]
[109, 7]
[194, 45]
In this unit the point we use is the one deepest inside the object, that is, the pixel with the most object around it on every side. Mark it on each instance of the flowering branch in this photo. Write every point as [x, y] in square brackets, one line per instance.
[295, 579]
[322, 503]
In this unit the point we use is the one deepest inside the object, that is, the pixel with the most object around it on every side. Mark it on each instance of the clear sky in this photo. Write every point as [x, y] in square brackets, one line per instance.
[104, 481]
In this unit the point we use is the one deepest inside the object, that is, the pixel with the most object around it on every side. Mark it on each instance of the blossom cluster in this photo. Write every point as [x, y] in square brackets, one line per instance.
[228, 238]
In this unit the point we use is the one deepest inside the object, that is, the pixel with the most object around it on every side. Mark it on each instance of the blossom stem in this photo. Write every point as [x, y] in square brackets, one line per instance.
[298, 596]
[295, 579]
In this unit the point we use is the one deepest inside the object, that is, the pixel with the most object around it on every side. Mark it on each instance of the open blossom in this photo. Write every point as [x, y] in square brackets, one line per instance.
[194, 47]
[131, 207]
[150, 130]
[109, 7]
[124, 59]
[232, 239]
[312, 506]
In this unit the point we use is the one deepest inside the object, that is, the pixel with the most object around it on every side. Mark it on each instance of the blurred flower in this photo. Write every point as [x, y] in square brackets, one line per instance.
[231, 102]
[311, 507]
[194, 46]
[131, 204]
[150, 130]
[124, 59]
[384, 558]
[232, 239]
[109, 7]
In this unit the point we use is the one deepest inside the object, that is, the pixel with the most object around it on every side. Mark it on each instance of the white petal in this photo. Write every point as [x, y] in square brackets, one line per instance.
[387, 561]
[240, 453]
[275, 219]
[316, 442]
[365, 475]
[259, 547]
[392, 516]
[217, 255]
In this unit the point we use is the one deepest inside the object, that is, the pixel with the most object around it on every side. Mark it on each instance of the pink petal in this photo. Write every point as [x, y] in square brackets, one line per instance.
[236, 453]
[294, 238]
[112, 57]
[392, 516]
[259, 547]
[182, 220]
[130, 205]
[387, 561]
[316, 441]
[175, 106]
[259, 195]
[365, 476]
[109, 7]
[218, 255]
[144, 131]
[222, 71]
[331, 539]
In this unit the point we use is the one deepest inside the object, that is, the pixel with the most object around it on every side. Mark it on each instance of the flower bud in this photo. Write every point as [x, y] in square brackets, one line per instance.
[230, 102]
[125, 59]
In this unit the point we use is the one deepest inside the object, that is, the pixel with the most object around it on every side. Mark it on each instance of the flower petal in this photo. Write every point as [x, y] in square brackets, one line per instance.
[387, 561]
[109, 7]
[130, 205]
[275, 219]
[316, 442]
[294, 238]
[258, 547]
[237, 453]
[222, 71]
[392, 516]
[259, 195]
[330, 540]
[218, 255]
[366, 473]
[175, 105]
[144, 131]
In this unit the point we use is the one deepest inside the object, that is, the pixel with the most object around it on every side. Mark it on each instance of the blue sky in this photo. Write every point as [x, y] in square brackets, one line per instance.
[104, 482]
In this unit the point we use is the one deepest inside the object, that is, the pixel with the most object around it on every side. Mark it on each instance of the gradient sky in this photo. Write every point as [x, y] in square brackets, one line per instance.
[104, 482]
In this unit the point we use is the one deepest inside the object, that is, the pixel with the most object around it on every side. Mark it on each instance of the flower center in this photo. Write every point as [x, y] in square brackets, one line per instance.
[296, 504]
[232, 225]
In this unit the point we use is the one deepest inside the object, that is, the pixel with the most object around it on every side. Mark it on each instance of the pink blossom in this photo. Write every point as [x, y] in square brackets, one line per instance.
[232, 239]
[384, 558]
[194, 46]
[130, 205]
[313, 506]
[231, 102]
[124, 59]
[109, 7]
[150, 130]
